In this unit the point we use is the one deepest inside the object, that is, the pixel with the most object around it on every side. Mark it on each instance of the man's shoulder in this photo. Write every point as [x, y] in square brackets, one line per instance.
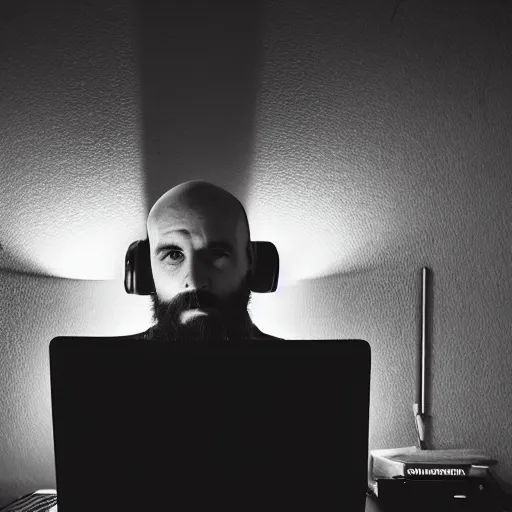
[146, 335]
[261, 336]
[150, 334]
[267, 337]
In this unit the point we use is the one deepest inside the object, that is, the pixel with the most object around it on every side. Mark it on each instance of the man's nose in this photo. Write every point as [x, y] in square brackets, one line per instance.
[197, 277]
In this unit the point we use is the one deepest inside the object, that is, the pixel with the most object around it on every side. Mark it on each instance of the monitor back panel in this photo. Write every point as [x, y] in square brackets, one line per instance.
[149, 425]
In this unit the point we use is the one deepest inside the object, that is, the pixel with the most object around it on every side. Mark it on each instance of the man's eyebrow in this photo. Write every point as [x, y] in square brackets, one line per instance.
[221, 244]
[166, 247]
[216, 244]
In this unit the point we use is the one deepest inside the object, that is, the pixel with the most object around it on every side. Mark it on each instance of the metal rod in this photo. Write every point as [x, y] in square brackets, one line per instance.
[423, 338]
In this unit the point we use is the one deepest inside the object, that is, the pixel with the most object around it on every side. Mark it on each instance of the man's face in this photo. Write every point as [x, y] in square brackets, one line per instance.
[200, 266]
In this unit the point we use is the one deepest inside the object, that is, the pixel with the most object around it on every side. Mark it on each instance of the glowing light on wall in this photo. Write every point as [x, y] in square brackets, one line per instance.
[317, 233]
[79, 230]
[93, 252]
[267, 311]
[313, 243]
[322, 223]
[132, 315]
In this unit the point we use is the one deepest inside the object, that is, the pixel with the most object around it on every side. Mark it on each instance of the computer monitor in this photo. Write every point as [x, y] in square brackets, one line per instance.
[151, 425]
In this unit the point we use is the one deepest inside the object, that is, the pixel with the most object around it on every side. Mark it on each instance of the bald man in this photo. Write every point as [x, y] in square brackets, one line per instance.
[201, 257]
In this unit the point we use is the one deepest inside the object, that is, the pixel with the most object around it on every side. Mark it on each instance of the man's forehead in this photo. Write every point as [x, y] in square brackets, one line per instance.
[177, 221]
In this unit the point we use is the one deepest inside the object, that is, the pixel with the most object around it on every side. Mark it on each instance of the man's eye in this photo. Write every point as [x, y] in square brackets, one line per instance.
[220, 253]
[174, 256]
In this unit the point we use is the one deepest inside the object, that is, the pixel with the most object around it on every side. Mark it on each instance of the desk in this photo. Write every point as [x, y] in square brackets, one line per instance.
[49, 496]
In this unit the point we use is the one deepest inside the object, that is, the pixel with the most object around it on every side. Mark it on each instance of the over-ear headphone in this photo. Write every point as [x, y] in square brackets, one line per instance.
[138, 278]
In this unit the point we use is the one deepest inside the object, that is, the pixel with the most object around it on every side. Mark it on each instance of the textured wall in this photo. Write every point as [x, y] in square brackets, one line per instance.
[70, 141]
[200, 64]
[386, 134]
[366, 140]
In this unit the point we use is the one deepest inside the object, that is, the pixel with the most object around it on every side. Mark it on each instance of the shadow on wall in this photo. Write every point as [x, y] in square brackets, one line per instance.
[199, 78]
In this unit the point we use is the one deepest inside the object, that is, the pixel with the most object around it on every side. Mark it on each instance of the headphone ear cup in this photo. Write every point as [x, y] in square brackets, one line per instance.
[129, 269]
[138, 276]
[265, 275]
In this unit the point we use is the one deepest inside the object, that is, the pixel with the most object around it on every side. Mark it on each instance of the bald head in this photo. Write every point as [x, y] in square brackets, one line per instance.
[200, 198]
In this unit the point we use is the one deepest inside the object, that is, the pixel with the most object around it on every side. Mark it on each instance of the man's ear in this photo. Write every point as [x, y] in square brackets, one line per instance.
[251, 257]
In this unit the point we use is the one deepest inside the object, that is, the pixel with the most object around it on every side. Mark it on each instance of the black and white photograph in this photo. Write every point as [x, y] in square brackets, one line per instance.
[256, 255]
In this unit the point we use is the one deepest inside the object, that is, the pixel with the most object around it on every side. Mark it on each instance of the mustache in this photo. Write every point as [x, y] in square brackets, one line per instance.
[193, 299]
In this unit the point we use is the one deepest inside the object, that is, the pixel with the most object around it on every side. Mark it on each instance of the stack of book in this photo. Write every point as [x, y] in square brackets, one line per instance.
[453, 475]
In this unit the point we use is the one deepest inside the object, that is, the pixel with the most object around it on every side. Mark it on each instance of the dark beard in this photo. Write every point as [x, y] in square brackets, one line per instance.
[230, 321]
